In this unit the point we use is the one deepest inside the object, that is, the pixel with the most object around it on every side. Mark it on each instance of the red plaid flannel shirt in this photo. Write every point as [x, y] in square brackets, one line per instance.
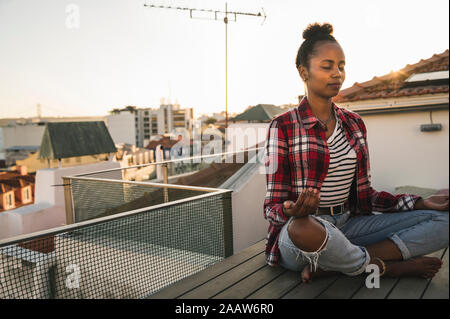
[297, 157]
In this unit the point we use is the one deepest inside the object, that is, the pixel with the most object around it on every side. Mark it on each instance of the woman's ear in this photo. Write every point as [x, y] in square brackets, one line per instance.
[303, 73]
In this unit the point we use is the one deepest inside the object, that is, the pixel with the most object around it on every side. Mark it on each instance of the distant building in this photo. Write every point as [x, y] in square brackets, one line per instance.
[148, 122]
[121, 126]
[75, 139]
[16, 188]
[261, 113]
[34, 163]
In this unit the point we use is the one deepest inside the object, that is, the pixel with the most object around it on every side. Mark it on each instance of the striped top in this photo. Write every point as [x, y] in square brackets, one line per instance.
[336, 186]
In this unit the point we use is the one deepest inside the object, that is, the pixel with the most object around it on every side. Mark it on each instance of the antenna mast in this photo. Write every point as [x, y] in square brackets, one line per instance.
[225, 20]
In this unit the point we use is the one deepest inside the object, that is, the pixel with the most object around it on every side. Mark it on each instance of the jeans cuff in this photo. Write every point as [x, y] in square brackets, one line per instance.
[363, 267]
[401, 246]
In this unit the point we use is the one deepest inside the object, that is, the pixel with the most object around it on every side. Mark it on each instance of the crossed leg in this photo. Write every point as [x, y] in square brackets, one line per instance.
[309, 235]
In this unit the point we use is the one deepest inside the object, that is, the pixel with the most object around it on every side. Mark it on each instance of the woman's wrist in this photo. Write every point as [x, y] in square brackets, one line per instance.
[419, 204]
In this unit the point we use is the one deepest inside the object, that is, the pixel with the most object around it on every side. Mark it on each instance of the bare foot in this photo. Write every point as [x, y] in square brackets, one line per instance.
[425, 267]
[307, 276]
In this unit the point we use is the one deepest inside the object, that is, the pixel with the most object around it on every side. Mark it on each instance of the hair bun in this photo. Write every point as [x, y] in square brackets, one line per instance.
[317, 30]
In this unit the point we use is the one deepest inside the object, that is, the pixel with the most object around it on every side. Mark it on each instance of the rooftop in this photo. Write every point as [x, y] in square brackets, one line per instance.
[432, 73]
[259, 113]
[72, 139]
[247, 276]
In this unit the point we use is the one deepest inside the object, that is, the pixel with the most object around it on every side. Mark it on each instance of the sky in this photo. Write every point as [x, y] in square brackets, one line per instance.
[87, 57]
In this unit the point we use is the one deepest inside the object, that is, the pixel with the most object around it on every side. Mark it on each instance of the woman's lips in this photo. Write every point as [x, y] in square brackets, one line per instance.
[336, 86]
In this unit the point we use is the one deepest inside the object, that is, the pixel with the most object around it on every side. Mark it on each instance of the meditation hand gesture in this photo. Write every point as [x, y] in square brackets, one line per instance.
[306, 204]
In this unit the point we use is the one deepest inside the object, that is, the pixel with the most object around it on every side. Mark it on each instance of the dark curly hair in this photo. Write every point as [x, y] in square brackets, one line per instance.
[312, 34]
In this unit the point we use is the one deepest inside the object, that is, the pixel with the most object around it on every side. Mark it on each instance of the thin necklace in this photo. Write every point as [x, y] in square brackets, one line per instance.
[324, 124]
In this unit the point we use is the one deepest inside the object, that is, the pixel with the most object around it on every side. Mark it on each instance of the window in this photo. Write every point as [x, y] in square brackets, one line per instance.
[26, 194]
[9, 199]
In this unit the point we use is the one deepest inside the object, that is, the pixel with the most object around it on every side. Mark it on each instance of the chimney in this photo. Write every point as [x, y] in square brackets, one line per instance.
[22, 169]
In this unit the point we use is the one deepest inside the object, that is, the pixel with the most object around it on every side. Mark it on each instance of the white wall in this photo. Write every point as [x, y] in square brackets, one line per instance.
[249, 224]
[22, 135]
[48, 210]
[122, 127]
[2, 154]
[403, 155]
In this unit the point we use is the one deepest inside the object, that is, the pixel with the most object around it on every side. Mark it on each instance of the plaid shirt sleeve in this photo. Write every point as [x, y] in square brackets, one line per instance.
[384, 201]
[277, 174]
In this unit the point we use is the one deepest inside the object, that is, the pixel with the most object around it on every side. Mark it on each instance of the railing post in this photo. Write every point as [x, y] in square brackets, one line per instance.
[227, 224]
[68, 200]
[165, 181]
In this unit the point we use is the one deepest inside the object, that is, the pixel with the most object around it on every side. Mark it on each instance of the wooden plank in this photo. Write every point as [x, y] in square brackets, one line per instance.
[412, 287]
[278, 287]
[438, 287]
[343, 288]
[312, 290]
[189, 283]
[386, 285]
[245, 287]
[227, 279]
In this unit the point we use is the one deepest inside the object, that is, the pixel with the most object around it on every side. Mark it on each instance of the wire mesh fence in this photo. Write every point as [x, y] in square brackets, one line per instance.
[129, 255]
[94, 198]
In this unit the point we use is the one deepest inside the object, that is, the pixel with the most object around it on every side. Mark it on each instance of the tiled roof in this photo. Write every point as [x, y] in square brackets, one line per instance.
[394, 85]
[166, 142]
[14, 179]
[4, 188]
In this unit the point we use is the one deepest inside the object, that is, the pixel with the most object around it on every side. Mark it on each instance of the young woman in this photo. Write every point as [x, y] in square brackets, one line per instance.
[319, 200]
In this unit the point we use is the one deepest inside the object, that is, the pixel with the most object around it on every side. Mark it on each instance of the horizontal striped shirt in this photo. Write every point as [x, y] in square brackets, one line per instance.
[341, 171]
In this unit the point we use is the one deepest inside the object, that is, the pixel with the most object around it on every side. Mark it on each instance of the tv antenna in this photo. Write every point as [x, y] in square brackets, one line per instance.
[225, 20]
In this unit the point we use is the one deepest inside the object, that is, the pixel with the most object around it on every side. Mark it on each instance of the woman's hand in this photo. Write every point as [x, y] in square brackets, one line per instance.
[306, 204]
[434, 202]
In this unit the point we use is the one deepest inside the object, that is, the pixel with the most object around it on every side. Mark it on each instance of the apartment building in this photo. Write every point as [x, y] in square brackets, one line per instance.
[148, 122]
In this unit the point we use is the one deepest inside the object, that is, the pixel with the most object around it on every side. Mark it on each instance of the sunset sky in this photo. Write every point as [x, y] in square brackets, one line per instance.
[122, 53]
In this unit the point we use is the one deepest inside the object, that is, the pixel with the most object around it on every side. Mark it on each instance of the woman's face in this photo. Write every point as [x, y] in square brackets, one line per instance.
[326, 71]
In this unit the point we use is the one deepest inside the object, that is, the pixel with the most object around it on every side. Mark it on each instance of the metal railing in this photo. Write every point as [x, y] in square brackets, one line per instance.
[127, 255]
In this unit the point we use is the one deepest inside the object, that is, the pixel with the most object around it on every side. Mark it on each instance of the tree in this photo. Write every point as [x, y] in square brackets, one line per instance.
[210, 120]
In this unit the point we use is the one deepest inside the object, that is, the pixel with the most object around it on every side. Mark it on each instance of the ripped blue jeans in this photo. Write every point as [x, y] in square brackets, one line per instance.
[415, 233]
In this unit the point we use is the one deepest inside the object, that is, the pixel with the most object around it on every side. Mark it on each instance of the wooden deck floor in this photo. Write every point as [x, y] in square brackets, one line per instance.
[246, 275]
